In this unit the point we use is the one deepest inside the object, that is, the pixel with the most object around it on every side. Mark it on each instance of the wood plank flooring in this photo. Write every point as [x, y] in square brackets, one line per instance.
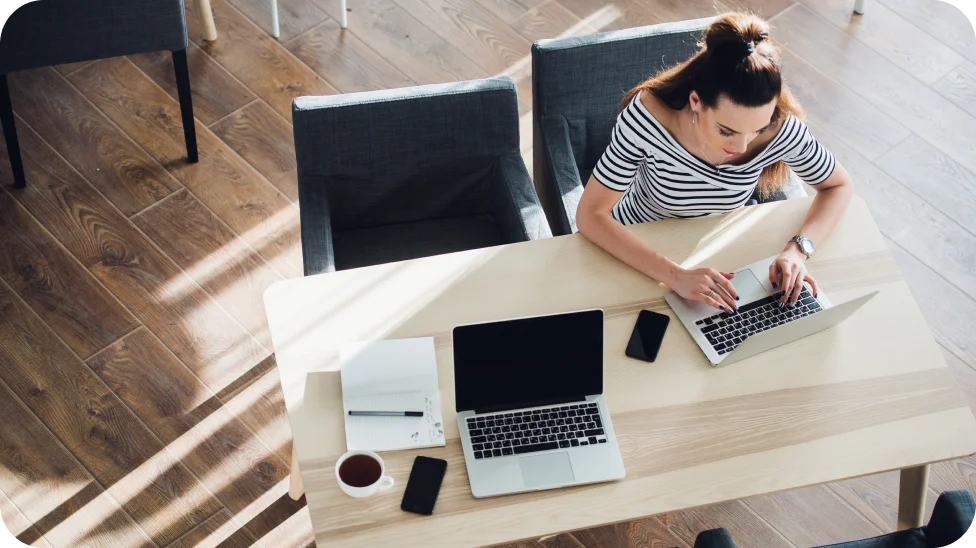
[137, 380]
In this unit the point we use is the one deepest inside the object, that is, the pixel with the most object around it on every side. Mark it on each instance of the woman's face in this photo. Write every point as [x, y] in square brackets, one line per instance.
[729, 127]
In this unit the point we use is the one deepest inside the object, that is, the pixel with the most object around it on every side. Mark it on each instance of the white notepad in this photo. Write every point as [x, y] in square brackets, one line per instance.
[393, 375]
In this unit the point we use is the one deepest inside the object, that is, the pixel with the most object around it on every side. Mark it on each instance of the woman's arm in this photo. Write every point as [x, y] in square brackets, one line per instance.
[833, 195]
[594, 221]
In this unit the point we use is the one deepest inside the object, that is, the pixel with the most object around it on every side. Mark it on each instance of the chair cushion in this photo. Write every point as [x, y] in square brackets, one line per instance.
[399, 242]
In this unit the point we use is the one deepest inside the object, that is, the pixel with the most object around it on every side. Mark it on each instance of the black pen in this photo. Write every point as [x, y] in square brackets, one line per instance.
[386, 413]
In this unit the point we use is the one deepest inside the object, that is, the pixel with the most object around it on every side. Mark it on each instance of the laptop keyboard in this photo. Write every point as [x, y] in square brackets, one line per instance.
[522, 432]
[725, 331]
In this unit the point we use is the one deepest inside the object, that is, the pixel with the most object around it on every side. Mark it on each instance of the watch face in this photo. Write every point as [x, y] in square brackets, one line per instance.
[807, 246]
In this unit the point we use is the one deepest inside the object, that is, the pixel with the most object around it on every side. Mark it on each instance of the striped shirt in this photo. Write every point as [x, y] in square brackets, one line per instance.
[660, 179]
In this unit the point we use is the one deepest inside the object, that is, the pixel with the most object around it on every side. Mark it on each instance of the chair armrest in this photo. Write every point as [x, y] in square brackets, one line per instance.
[714, 538]
[951, 518]
[517, 205]
[563, 173]
[318, 252]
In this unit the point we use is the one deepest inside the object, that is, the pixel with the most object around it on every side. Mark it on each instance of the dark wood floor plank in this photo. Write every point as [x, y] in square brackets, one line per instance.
[257, 59]
[895, 91]
[812, 516]
[509, 10]
[284, 522]
[158, 293]
[219, 260]
[261, 406]
[855, 121]
[215, 92]
[473, 30]
[68, 68]
[222, 180]
[266, 141]
[294, 16]
[893, 36]
[940, 19]
[19, 526]
[936, 239]
[766, 9]
[407, 43]
[940, 180]
[220, 530]
[648, 532]
[746, 529]
[61, 291]
[119, 451]
[230, 460]
[959, 86]
[344, 60]
[550, 20]
[607, 15]
[53, 490]
[116, 166]
[943, 305]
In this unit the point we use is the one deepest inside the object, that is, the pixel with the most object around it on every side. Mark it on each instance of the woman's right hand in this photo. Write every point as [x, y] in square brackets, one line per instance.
[706, 285]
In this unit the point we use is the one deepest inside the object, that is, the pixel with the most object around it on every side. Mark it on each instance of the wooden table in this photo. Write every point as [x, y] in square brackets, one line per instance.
[871, 395]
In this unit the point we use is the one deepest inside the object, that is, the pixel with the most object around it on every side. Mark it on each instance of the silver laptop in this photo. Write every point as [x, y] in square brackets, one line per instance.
[760, 324]
[530, 407]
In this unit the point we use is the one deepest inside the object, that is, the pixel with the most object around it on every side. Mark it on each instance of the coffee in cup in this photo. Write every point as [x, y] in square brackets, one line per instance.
[360, 473]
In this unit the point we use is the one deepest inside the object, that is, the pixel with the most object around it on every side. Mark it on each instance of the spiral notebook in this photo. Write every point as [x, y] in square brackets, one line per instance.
[391, 375]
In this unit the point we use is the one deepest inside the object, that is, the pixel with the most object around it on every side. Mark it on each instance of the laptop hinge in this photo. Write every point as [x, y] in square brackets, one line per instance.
[523, 405]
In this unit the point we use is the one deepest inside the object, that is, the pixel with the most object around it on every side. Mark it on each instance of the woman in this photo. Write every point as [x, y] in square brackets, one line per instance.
[697, 140]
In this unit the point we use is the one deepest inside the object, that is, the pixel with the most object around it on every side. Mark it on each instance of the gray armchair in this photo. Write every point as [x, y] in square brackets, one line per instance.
[53, 32]
[951, 518]
[577, 86]
[391, 175]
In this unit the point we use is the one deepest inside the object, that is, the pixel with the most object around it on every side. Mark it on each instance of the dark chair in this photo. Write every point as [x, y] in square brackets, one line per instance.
[54, 32]
[577, 86]
[391, 175]
[951, 518]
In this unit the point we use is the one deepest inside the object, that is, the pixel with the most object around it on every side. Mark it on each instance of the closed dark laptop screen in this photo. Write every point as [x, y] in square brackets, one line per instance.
[531, 361]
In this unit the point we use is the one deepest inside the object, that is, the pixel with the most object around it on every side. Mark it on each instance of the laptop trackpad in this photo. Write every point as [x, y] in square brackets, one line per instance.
[546, 470]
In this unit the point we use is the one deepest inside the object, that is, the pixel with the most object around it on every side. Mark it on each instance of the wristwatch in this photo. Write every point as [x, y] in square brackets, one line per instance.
[805, 245]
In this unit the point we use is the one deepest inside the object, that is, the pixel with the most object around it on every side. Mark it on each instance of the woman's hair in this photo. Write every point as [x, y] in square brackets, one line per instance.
[737, 60]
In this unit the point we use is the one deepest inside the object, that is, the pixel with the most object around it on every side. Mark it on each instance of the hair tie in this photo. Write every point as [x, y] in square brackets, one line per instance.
[750, 46]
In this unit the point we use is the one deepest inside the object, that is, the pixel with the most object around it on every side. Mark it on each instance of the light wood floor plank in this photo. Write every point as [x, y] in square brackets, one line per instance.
[896, 38]
[18, 524]
[959, 86]
[116, 166]
[222, 180]
[941, 20]
[113, 445]
[215, 92]
[895, 91]
[266, 141]
[60, 290]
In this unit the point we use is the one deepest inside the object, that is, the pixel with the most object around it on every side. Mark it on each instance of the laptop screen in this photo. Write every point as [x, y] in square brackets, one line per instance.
[529, 361]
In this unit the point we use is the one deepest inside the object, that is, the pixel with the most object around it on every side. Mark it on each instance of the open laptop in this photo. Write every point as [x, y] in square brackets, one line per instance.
[760, 324]
[529, 404]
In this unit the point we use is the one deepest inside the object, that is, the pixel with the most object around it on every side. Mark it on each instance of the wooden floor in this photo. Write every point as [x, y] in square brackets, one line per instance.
[137, 385]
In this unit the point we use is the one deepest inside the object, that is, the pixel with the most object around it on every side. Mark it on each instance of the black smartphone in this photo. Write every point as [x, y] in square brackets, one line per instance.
[646, 339]
[424, 485]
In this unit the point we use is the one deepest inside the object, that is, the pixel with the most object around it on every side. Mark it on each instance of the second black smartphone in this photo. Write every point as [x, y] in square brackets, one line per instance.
[645, 341]
[424, 485]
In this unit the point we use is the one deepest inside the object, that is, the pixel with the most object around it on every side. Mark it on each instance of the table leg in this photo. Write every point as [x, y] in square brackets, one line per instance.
[911, 496]
[295, 486]
[859, 7]
[343, 21]
[206, 15]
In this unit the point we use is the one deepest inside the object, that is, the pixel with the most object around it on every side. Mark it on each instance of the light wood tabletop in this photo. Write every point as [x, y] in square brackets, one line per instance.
[870, 395]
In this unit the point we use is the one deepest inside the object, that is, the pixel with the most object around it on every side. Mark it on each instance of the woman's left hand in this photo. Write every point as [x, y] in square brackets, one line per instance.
[788, 272]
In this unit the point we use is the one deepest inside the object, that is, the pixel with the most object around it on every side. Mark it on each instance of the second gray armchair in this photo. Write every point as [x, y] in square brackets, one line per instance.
[398, 174]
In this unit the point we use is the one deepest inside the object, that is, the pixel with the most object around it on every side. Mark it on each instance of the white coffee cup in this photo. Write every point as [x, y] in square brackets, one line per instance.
[382, 483]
